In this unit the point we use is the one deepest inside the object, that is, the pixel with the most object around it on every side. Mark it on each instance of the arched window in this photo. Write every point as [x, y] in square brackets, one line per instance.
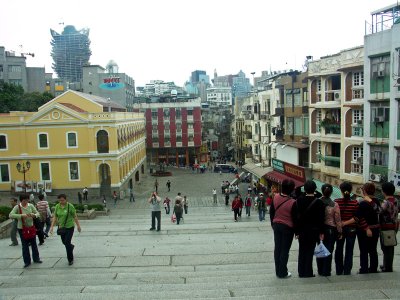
[102, 141]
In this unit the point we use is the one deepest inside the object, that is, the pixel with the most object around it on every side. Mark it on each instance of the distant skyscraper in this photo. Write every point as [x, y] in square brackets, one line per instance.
[71, 51]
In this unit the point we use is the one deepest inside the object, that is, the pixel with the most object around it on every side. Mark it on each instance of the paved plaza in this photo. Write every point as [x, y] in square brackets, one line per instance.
[207, 257]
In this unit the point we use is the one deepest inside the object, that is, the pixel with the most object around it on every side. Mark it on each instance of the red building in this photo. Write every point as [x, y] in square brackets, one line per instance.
[173, 131]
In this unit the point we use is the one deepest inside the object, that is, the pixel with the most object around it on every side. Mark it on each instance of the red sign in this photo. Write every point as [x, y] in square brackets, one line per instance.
[111, 80]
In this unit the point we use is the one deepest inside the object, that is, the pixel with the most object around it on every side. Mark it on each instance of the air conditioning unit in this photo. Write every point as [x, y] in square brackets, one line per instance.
[397, 82]
[375, 177]
[379, 119]
[336, 95]
[381, 73]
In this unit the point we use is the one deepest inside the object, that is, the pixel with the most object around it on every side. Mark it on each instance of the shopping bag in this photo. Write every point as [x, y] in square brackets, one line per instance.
[320, 250]
[173, 218]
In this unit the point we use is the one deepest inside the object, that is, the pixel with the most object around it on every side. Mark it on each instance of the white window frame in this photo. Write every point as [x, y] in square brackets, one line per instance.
[40, 170]
[357, 152]
[76, 139]
[9, 173]
[358, 114]
[358, 79]
[69, 170]
[38, 140]
[6, 148]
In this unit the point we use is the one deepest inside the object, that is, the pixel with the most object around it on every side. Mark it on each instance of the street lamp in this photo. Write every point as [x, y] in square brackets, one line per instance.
[23, 169]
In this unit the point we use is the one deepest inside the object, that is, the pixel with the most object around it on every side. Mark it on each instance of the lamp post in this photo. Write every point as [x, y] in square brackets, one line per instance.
[23, 169]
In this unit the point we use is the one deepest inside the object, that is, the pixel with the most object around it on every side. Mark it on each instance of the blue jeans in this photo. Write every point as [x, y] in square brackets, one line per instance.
[25, 249]
[261, 214]
[66, 240]
[348, 237]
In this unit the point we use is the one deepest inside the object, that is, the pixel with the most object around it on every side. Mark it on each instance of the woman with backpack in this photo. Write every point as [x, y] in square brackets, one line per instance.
[367, 221]
[333, 229]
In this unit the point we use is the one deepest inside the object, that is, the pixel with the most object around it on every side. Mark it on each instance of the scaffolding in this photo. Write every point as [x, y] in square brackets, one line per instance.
[70, 52]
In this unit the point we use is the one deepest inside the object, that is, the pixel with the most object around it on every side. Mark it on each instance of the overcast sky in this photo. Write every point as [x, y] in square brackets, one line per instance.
[168, 39]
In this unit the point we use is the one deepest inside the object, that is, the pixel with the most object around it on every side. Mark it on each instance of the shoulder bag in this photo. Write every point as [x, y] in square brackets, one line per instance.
[28, 233]
[63, 230]
[388, 238]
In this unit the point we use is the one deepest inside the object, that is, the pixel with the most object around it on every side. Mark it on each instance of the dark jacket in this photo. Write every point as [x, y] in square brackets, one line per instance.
[310, 217]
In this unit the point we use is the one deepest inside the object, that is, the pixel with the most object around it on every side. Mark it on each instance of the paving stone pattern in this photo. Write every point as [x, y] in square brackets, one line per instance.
[207, 257]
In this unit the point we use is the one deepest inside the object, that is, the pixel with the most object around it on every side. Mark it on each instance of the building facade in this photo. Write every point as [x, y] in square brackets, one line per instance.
[76, 140]
[13, 70]
[219, 96]
[381, 156]
[174, 132]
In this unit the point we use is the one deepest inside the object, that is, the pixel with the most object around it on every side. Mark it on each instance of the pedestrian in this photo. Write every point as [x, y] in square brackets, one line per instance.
[248, 203]
[168, 184]
[104, 201]
[155, 200]
[227, 197]
[79, 197]
[85, 193]
[348, 209]
[167, 205]
[241, 205]
[43, 208]
[310, 229]
[115, 198]
[261, 206]
[14, 225]
[66, 218]
[283, 216]
[367, 221]
[249, 189]
[236, 207]
[156, 185]
[178, 209]
[332, 231]
[389, 222]
[185, 204]
[131, 196]
[214, 192]
[25, 213]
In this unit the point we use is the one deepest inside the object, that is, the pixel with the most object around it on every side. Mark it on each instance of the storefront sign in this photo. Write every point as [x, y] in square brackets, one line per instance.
[290, 170]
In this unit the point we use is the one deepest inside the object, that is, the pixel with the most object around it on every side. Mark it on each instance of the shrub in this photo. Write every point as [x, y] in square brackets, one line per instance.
[4, 212]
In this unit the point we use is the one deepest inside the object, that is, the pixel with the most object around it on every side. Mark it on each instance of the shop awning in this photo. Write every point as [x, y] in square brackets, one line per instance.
[277, 177]
[336, 193]
[258, 171]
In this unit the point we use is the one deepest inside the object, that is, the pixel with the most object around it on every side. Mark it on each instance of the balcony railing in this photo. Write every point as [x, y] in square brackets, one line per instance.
[332, 129]
[330, 161]
[357, 130]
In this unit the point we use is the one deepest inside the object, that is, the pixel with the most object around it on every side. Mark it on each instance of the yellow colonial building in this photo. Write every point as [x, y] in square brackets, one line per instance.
[76, 140]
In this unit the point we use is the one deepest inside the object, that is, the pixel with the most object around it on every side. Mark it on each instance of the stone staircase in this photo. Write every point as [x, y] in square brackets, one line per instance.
[207, 257]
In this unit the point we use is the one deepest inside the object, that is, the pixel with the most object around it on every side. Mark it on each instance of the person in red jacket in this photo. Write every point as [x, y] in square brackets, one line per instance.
[248, 203]
[236, 206]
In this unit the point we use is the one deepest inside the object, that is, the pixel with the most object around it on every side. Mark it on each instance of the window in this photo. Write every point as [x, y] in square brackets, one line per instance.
[179, 139]
[190, 111]
[319, 85]
[190, 125]
[72, 141]
[14, 68]
[102, 141]
[45, 171]
[357, 152]
[379, 156]
[297, 99]
[380, 66]
[178, 127]
[4, 173]
[358, 78]
[381, 111]
[166, 112]
[306, 126]
[166, 127]
[178, 113]
[190, 138]
[289, 126]
[154, 114]
[358, 116]
[154, 139]
[3, 142]
[297, 126]
[73, 169]
[43, 141]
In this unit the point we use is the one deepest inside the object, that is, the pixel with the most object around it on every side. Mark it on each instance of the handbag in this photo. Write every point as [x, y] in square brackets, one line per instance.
[173, 218]
[388, 238]
[320, 251]
[28, 232]
[63, 230]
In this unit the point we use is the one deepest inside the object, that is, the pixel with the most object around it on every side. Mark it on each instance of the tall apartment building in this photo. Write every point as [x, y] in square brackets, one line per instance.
[174, 133]
[336, 92]
[13, 70]
[70, 52]
[219, 96]
[381, 156]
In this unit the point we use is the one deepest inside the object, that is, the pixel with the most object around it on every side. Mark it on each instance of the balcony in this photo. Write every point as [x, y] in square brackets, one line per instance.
[330, 161]
[331, 126]
[357, 130]
[249, 117]
[380, 129]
